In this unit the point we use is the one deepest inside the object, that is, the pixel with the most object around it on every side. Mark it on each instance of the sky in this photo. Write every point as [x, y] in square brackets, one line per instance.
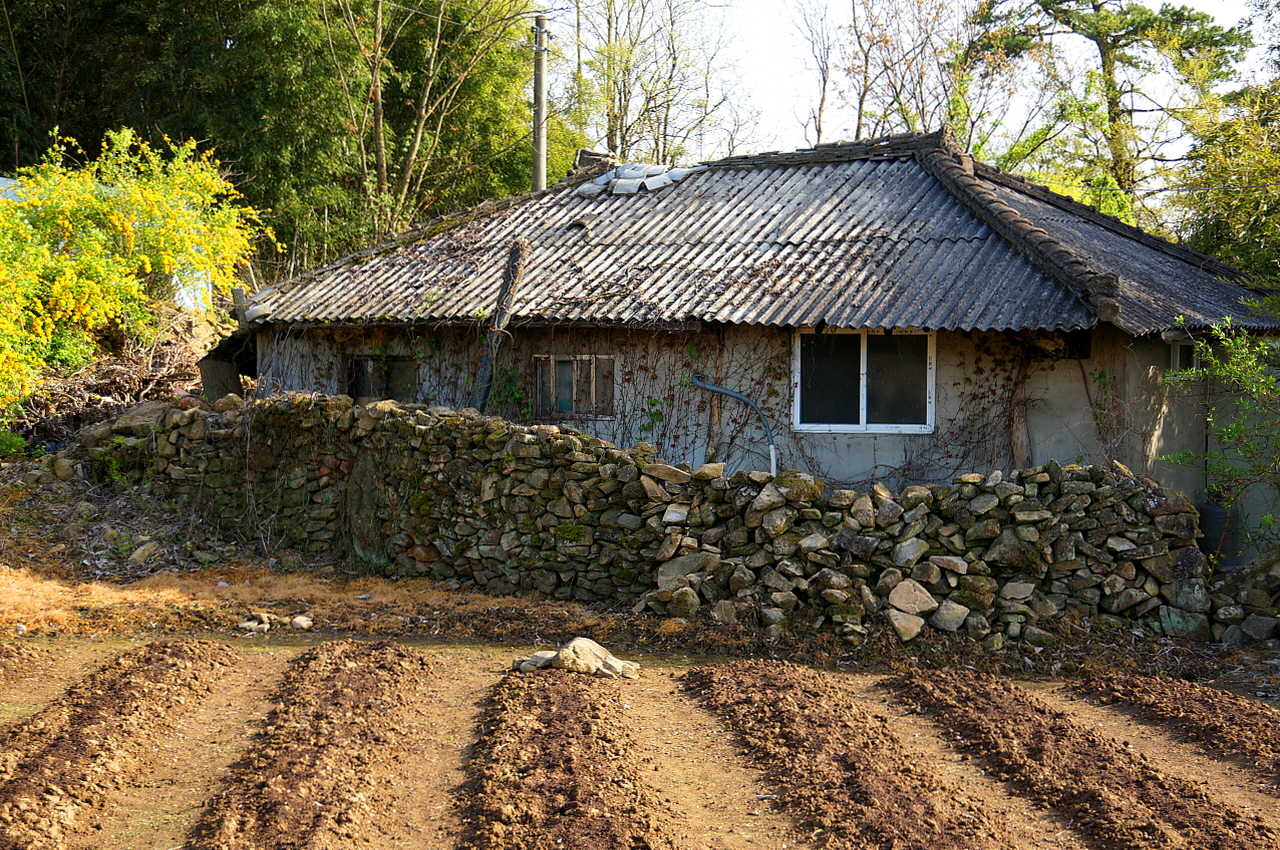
[771, 62]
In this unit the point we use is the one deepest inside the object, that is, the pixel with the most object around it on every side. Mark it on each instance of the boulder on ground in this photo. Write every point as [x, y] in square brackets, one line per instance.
[580, 655]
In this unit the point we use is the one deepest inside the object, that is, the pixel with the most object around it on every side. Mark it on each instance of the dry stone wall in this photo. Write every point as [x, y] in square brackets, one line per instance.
[505, 508]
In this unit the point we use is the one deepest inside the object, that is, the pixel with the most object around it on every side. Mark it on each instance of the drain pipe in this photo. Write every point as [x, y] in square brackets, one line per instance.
[701, 384]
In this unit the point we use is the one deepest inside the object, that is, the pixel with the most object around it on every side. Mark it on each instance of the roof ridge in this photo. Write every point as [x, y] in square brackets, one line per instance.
[897, 146]
[1076, 207]
[955, 169]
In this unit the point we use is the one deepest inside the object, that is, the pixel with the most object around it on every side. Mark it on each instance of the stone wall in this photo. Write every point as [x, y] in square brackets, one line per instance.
[505, 508]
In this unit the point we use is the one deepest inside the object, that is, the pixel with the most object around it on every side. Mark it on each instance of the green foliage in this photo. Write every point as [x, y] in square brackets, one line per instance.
[1233, 206]
[11, 444]
[343, 120]
[1130, 44]
[1244, 458]
[84, 247]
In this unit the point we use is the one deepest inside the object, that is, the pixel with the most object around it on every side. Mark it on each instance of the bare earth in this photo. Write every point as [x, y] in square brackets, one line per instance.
[338, 744]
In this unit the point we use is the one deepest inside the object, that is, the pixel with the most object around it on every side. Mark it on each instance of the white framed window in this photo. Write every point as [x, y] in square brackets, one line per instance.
[574, 385]
[869, 381]
[1183, 355]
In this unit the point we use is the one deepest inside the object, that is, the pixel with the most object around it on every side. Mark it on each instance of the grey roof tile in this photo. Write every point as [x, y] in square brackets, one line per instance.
[899, 232]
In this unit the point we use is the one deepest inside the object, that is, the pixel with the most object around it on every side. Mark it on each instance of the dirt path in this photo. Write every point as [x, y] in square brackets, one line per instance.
[187, 767]
[422, 780]
[1223, 780]
[701, 769]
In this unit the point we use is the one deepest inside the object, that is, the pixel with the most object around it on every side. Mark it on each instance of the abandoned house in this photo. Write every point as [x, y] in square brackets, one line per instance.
[895, 309]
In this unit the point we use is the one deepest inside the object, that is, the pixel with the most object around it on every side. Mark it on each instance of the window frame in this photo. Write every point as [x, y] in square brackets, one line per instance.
[864, 427]
[1175, 355]
[383, 363]
[546, 390]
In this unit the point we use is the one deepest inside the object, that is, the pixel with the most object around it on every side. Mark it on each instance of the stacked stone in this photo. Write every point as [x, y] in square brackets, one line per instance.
[506, 508]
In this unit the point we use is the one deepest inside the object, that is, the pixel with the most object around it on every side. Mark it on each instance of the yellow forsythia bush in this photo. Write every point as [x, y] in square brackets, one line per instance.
[83, 246]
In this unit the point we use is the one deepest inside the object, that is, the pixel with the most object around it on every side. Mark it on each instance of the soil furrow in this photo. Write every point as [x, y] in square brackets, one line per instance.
[307, 782]
[1117, 796]
[842, 770]
[698, 766]
[1226, 725]
[184, 769]
[555, 767]
[72, 754]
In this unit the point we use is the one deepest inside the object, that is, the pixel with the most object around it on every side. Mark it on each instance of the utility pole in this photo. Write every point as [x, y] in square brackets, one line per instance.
[539, 103]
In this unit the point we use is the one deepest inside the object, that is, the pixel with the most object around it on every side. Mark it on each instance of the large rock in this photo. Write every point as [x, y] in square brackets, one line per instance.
[832, 579]
[798, 486]
[684, 603]
[906, 553]
[1189, 594]
[1257, 627]
[1179, 623]
[142, 420]
[768, 499]
[906, 625]
[950, 563]
[654, 491]
[666, 472]
[708, 472]
[975, 592]
[778, 520]
[695, 562]
[858, 545]
[1009, 551]
[950, 616]
[583, 655]
[910, 597]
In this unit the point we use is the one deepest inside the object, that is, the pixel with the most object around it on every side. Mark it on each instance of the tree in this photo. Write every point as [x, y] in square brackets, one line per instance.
[814, 25]
[914, 65]
[1231, 200]
[1129, 44]
[341, 119]
[653, 84]
[85, 248]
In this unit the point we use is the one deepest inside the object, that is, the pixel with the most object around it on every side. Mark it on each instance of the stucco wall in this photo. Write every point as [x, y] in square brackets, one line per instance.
[1111, 404]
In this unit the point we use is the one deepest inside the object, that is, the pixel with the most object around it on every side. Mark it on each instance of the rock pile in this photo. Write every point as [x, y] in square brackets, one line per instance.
[427, 491]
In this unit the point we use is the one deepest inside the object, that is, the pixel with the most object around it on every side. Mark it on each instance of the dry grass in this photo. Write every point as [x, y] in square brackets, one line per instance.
[32, 603]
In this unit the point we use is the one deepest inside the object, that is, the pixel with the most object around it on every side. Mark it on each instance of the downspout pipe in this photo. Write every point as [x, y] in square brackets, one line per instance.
[701, 384]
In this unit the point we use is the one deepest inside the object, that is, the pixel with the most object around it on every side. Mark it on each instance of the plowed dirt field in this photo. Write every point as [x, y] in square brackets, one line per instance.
[347, 744]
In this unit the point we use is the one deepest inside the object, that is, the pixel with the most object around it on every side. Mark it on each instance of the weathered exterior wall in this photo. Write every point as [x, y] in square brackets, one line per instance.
[506, 508]
[1111, 405]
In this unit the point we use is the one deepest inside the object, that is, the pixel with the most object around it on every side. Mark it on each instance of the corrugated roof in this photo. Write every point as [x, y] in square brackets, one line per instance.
[899, 232]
